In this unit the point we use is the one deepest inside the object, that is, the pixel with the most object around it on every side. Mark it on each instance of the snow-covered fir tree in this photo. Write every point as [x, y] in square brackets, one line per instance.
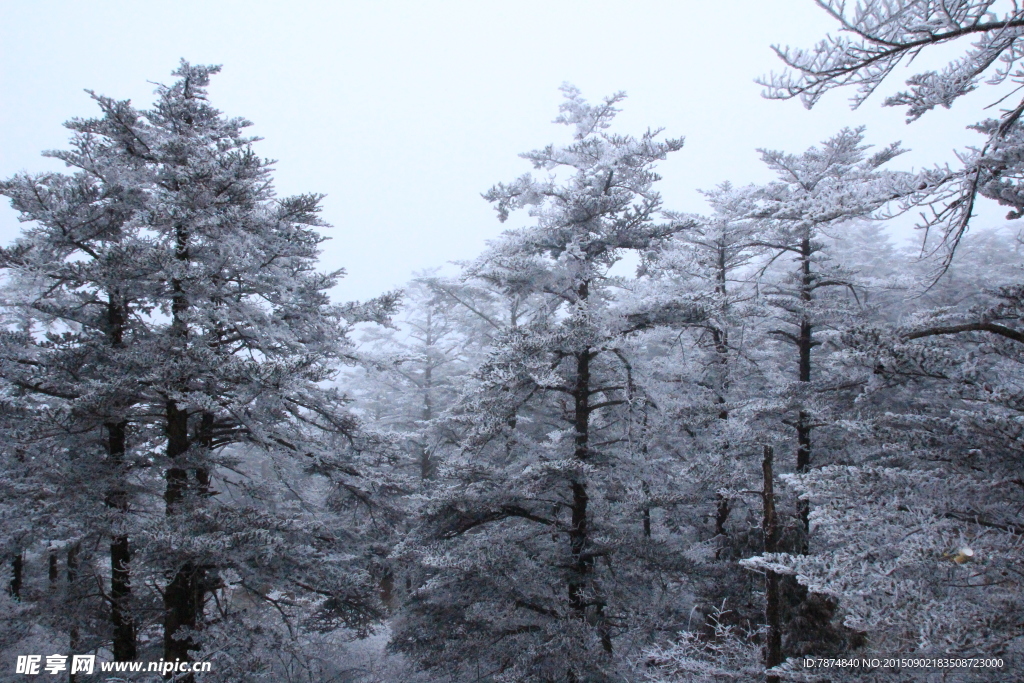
[918, 534]
[816, 193]
[174, 314]
[537, 569]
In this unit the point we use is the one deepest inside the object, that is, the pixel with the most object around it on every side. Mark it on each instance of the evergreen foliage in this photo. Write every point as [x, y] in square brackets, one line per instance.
[781, 436]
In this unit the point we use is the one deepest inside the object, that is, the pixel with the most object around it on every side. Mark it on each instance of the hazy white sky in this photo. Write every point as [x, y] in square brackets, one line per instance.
[403, 112]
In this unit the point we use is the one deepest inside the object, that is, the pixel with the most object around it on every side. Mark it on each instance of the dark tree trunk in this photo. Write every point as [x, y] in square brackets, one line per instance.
[809, 618]
[773, 602]
[577, 546]
[180, 608]
[805, 342]
[427, 413]
[53, 573]
[17, 570]
[120, 553]
[177, 445]
[803, 428]
[74, 637]
[120, 600]
[722, 515]
[721, 339]
[647, 509]
[578, 529]
[121, 618]
[183, 594]
[179, 299]
[579, 533]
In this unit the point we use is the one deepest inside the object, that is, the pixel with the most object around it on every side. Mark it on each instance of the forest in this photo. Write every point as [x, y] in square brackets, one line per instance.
[624, 443]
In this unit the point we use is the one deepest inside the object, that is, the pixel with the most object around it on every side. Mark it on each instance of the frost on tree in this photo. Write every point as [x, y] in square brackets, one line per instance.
[816, 193]
[776, 291]
[414, 370]
[169, 311]
[536, 565]
[876, 36]
[916, 532]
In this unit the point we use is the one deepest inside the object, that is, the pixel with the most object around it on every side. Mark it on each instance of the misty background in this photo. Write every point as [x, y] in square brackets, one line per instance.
[402, 113]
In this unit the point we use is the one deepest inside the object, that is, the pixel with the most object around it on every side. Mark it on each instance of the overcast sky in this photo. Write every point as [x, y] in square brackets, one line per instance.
[403, 112]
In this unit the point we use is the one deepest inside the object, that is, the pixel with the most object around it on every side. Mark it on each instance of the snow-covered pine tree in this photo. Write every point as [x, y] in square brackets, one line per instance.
[712, 381]
[73, 289]
[816, 194]
[412, 371]
[536, 567]
[251, 338]
[728, 644]
[708, 372]
[235, 341]
[737, 266]
[919, 536]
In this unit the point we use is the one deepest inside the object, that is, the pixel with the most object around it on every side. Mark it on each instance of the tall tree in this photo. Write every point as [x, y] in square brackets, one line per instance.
[816, 193]
[533, 525]
[232, 341]
[74, 274]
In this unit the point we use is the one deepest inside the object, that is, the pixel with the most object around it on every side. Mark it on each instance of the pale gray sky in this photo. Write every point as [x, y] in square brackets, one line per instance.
[403, 112]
